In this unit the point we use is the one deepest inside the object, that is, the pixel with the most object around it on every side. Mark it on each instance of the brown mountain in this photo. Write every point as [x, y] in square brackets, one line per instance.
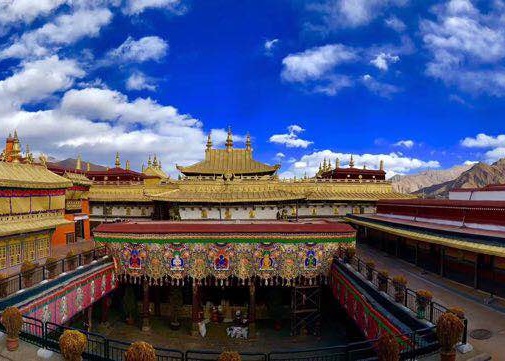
[480, 175]
[413, 182]
[71, 163]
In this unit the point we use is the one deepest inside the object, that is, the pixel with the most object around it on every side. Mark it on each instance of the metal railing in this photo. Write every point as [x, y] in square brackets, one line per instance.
[404, 295]
[101, 348]
[19, 281]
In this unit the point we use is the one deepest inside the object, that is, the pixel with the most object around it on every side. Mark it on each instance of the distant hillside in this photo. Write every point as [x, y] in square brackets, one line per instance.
[71, 163]
[479, 175]
[414, 182]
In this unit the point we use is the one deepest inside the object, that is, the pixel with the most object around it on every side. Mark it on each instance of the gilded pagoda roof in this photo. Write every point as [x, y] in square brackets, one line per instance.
[231, 161]
[336, 194]
[225, 195]
[19, 175]
[18, 225]
[119, 193]
[78, 179]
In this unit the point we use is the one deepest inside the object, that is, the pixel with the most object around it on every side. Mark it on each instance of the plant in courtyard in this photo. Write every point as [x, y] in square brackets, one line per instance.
[458, 311]
[382, 279]
[72, 345]
[51, 264]
[129, 305]
[349, 254]
[449, 331]
[370, 266]
[27, 270]
[400, 284]
[140, 351]
[3, 285]
[176, 302]
[229, 356]
[12, 320]
[423, 299]
[387, 348]
[71, 260]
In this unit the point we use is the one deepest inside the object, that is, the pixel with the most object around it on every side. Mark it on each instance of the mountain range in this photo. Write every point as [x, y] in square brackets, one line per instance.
[438, 183]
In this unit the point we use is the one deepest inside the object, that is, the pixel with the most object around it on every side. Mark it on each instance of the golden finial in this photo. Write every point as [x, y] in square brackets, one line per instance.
[16, 135]
[29, 155]
[88, 167]
[118, 161]
[127, 165]
[78, 165]
[325, 166]
[43, 159]
[329, 164]
[155, 161]
[209, 142]
[229, 140]
[381, 165]
[149, 161]
[337, 163]
[159, 164]
[248, 142]
[143, 168]
[351, 162]
[364, 166]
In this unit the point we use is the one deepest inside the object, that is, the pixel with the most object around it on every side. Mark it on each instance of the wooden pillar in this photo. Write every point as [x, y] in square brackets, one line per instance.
[195, 308]
[145, 306]
[90, 317]
[493, 270]
[252, 309]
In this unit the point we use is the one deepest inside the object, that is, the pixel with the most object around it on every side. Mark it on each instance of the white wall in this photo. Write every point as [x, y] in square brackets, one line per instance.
[478, 196]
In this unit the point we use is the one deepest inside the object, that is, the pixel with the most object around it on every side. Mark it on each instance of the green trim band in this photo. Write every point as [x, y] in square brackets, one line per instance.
[226, 240]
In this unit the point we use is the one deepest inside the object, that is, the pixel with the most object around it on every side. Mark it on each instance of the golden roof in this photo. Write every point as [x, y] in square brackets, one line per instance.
[26, 225]
[156, 172]
[225, 195]
[359, 195]
[111, 193]
[230, 161]
[19, 175]
[432, 238]
[78, 179]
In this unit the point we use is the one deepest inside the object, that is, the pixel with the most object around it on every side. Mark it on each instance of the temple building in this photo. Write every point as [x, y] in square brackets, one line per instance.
[229, 184]
[32, 208]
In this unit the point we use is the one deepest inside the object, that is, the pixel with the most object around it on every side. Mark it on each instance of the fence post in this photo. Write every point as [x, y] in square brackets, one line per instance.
[20, 282]
[43, 272]
[431, 311]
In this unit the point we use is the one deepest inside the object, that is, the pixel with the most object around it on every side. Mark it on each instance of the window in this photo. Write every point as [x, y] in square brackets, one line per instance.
[128, 211]
[43, 248]
[3, 256]
[15, 254]
[70, 238]
[29, 250]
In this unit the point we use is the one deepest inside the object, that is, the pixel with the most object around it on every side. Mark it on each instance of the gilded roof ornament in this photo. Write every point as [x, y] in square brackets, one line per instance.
[155, 161]
[78, 164]
[229, 140]
[381, 165]
[337, 163]
[118, 161]
[127, 167]
[248, 142]
[88, 166]
[209, 142]
[149, 163]
[143, 168]
[351, 162]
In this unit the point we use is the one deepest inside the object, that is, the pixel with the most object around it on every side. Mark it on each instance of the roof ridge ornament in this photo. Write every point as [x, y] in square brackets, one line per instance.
[209, 142]
[248, 142]
[118, 161]
[351, 162]
[229, 139]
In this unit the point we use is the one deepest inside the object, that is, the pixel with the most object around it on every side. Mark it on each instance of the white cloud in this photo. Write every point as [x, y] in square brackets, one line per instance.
[382, 89]
[467, 47]
[393, 163]
[405, 143]
[396, 24]
[279, 156]
[269, 45]
[291, 139]
[25, 11]
[312, 64]
[352, 13]
[36, 81]
[484, 141]
[495, 154]
[65, 29]
[138, 81]
[470, 162]
[382, 61]
[138, 51]
[135, 7]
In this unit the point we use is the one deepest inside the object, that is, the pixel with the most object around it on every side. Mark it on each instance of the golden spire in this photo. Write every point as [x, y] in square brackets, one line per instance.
[118, 161]
[127, 167]
[155, 161]
[16, 135]
[337, 163]
[143, 168]
[381, 165]
[16, 149]
[248, 142]
[364, 166]
[351, 162]
[159, 164]
[78, 165]
[209, 142]
[325, 166]
[149, 161]
[229, 140]
[329, 164]
[29, 155]
[88, 167]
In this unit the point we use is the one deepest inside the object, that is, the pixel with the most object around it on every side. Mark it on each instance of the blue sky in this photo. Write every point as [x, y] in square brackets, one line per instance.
[420, 84]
